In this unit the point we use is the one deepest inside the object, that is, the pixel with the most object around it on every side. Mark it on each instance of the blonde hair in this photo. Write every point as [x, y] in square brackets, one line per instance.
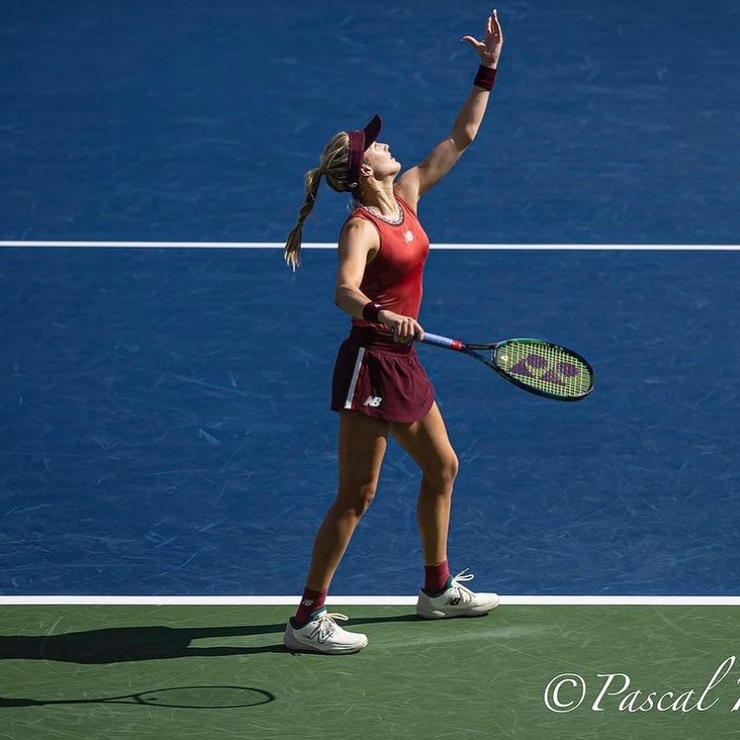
[333, 166]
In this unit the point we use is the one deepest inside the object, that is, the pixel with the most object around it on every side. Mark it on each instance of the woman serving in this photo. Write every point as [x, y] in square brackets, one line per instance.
[379, 387]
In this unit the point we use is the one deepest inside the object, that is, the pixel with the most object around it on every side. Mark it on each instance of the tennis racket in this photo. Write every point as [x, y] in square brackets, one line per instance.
[533, 365]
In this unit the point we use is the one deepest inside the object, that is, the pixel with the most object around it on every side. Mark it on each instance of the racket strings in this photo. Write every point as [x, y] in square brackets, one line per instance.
[545, 367]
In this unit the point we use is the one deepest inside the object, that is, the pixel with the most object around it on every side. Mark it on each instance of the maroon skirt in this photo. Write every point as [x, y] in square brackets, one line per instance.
[380, 378]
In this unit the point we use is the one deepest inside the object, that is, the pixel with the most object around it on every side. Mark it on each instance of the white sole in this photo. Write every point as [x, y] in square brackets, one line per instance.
[475, 611]
[297, 646]
[455, 615]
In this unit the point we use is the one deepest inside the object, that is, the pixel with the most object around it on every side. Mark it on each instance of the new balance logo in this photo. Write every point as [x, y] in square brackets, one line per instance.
[455, 601]
[373, 401]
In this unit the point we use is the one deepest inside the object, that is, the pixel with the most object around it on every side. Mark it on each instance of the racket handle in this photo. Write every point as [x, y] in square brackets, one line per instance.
[437, 341]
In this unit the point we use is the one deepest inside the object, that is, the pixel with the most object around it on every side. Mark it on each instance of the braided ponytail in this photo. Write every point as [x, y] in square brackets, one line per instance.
[292, 251]
[333, 166]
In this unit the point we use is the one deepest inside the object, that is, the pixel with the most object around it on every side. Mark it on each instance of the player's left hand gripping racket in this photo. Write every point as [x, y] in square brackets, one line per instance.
[533, 365]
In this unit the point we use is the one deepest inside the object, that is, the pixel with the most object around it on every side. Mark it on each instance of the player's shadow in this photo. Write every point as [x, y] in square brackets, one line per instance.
[123, 644]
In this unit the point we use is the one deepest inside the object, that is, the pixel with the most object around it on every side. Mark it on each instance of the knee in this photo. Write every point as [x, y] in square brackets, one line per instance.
[355, 499]
[443, 473]
[450, 468]
[365, 496]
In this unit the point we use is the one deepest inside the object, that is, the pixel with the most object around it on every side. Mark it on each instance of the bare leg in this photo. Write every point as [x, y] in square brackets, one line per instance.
[427, 443]
[362, 445]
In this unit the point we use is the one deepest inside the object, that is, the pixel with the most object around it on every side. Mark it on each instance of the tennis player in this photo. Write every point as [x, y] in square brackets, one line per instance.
[379, 386]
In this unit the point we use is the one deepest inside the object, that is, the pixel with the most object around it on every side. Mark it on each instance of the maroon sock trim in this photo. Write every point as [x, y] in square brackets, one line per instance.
[436, 577]
[311, 602]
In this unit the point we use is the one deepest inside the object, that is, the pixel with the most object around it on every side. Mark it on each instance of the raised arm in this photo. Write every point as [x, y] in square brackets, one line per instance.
[417, 180]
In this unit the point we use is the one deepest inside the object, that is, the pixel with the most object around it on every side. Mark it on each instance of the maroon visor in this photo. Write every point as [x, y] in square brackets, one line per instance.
[359, 142]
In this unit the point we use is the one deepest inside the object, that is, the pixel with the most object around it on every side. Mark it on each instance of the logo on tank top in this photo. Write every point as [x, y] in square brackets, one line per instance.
[408, 237]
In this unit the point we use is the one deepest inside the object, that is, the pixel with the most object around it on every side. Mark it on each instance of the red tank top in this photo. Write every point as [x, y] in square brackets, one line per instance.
[394, 278]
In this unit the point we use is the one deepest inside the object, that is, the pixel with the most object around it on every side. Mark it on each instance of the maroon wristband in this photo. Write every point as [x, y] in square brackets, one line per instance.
[485, 77]
[370, 312]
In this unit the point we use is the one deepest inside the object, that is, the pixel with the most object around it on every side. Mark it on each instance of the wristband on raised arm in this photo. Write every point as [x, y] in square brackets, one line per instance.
[485, 77]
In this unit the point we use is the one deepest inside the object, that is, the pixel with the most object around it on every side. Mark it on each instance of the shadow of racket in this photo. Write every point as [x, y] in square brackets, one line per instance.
[178, 697]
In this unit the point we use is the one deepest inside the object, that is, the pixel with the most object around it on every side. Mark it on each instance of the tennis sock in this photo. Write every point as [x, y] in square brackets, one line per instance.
[436, 577]
[312, 601]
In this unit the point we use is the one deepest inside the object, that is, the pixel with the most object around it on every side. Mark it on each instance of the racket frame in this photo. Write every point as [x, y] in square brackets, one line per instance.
[475, 351]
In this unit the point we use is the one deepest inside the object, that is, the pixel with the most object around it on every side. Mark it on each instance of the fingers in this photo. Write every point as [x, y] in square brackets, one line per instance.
[406, 330]
[494, 35]
[472, 41]
[496, 27]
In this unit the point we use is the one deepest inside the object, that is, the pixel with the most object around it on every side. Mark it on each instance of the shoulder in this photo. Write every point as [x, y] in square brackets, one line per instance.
[406, 194]
[358, 232]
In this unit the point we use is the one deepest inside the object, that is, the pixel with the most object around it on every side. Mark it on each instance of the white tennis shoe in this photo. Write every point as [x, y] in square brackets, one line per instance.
[322, 634]
[456, 601]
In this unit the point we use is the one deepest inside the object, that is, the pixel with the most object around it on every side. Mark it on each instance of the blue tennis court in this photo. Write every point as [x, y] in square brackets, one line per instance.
[166, 427]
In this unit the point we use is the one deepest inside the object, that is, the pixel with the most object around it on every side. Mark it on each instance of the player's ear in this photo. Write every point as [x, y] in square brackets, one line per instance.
[366, 170]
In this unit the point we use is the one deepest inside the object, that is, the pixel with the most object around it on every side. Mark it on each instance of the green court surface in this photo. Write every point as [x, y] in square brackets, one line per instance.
[212, 672]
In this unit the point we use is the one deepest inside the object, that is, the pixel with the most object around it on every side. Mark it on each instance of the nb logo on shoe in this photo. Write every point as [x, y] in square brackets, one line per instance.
[373, 401]
[455, 602]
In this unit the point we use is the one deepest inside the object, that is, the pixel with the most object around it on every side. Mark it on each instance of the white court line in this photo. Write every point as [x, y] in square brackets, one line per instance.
[332, 245]
[360, 600]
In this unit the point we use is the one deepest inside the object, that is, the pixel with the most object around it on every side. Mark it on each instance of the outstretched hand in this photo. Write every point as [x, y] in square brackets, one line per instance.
[489, 49]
